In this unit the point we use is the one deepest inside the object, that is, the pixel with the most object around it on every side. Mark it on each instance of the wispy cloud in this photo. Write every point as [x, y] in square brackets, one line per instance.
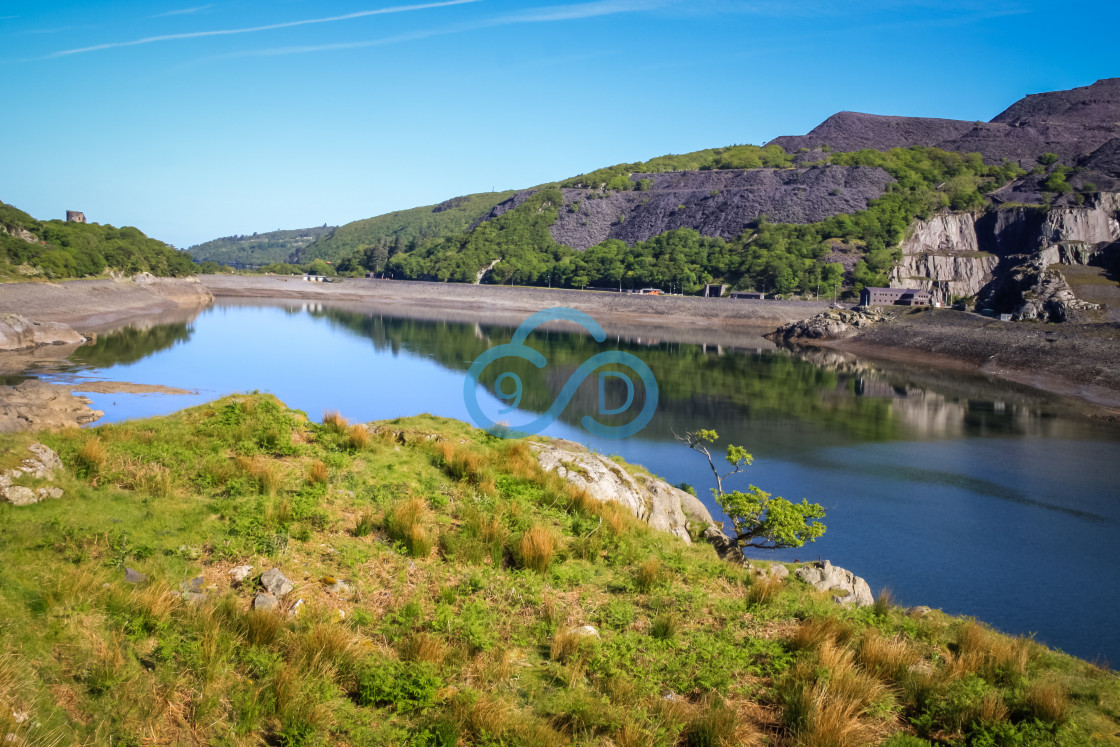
[183, 11]
[254, 29]
[544, 14]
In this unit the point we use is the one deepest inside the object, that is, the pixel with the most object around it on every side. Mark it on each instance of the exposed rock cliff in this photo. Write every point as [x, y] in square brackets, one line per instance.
[942, 255]
[1010, 258]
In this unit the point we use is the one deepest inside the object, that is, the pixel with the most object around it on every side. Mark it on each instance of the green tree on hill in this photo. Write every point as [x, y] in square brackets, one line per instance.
[760, 521]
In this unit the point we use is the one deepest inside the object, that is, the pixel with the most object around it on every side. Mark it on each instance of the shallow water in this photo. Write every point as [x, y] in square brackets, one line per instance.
[972, 495]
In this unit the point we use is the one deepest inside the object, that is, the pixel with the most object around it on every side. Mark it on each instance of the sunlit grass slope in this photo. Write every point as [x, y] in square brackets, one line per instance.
[441, 581]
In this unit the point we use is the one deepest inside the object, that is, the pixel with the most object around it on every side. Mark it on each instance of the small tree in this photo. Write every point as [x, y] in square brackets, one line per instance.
[760, 521]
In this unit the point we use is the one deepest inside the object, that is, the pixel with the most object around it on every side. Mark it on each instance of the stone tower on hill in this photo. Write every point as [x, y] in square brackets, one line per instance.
[73, 216]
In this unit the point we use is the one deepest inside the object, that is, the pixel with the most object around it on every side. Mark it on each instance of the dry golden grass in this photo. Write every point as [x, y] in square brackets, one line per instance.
[831, 711]
[649, 574]
[156, 480]
[91, 458]
[423, 647]
[814, 632]
[330, 643]
[357, 437]
[261, 627]
[890, 658]
[566, 645]
[536, 548]
[1048, 701]
[318, 473]
[404, 522]
[265, 472]
[763, 589]
[484, 715]
[884, 603]
[999, 658]
[335, 422]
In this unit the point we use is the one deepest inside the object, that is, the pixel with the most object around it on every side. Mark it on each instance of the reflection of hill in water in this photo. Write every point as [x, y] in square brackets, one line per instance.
[849, 398]
[130, 344]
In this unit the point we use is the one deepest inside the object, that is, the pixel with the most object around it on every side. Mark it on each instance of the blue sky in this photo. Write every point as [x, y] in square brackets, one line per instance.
[192, 119]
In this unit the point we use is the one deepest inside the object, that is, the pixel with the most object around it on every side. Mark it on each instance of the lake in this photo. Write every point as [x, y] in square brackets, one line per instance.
[968, 494]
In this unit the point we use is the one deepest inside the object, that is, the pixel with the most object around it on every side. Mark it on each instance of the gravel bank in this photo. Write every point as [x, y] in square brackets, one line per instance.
[89, 304]
[715, 313]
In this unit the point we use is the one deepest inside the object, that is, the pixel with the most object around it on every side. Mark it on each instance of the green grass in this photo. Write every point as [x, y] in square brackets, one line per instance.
[467, 569]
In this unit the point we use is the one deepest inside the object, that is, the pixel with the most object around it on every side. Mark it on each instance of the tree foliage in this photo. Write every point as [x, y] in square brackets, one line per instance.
[760, 520]
[58, 249]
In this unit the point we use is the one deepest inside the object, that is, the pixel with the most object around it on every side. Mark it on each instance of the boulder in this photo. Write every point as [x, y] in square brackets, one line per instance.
[276, 583]
[18, 333]
[823, 576]
[133, 576]
[265, 601]
[828, 325]
[654, 501]
[240, 573]
[583, 631]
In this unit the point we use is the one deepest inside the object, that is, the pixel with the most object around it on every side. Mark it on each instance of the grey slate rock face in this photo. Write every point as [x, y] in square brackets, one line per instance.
[276, 582]
[134, 576]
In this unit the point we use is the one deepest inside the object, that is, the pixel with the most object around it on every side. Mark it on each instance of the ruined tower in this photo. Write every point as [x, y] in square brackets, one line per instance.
[74, 216]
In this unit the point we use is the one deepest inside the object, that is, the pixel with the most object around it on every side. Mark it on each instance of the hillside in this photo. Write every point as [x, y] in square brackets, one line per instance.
[258, 249]
[819, 213]
[394, 232]
[238, 574]
[57, 249]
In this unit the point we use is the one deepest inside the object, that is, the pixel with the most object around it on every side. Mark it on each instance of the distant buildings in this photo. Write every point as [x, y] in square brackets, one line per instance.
[894, 296]
[750, 295]
[74, 216]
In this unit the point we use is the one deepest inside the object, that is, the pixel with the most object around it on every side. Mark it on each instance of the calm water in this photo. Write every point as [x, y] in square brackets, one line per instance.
[970, 495]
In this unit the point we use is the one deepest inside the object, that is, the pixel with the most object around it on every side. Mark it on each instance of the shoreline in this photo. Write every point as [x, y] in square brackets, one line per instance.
[1075, 361]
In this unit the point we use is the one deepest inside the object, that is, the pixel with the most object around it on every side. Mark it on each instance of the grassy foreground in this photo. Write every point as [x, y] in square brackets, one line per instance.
[442, 576]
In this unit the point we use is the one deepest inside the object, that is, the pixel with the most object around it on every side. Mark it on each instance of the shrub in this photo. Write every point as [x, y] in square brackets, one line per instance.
[365, 524]
[715, 726]
[665, 626]
[405, 686]
[403, 522]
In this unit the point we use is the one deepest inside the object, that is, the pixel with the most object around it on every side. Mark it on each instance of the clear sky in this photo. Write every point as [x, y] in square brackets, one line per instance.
[193, 119]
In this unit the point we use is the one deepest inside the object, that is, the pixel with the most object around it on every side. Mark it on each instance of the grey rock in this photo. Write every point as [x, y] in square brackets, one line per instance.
[823, 576]
[35, 405]
[724, 546]
[240, 573]
[828, 325]
[919, 611]
[40, 465]
[18, 333]
[265, 601]
[134, 577]
[662, 506]
[335, 585]
[276, 582]
[583, 631]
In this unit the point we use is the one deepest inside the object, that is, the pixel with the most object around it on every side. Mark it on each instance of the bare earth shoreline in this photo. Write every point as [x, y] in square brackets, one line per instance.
[1080, 361]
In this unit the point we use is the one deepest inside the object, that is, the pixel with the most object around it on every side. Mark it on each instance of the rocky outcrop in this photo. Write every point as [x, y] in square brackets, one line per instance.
[942, 256]
[34, 404]
[851, 590]
[20, 333]
[654, 501]
[42, 464]
[833, 324]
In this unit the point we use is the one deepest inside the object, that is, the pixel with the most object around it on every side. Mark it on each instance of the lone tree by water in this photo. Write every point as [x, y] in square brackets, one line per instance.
[761, 521]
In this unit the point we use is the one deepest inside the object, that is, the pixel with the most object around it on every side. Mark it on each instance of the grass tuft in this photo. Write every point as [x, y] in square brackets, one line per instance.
[318, 473]
[1048, 701]
[536, 548]
[357, 437]
[335, 422]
